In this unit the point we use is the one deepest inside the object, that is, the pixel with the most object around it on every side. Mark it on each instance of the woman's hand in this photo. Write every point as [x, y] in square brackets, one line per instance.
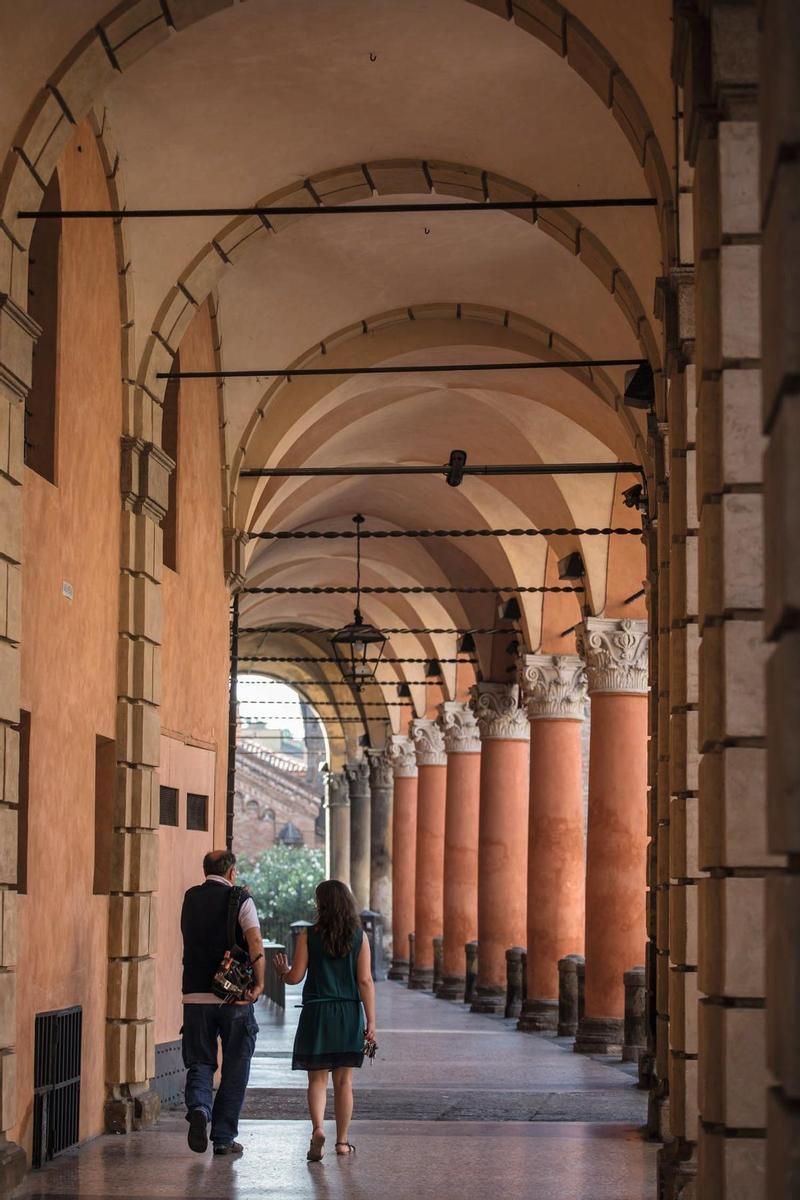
[371, 1032]
[281, 964]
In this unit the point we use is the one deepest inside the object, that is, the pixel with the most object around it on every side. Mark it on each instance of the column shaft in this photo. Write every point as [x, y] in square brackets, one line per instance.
[337, 828]
[616, 846]
[404, 851]
[381, 787]
[360, 837]
[428, 889]
[462, 819]
[502, 838]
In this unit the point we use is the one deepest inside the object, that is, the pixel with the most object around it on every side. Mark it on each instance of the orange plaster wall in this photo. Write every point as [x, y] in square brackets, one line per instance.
[194, 659]
[69, 648]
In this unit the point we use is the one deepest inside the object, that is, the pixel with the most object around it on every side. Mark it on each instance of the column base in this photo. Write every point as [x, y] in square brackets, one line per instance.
[538, 1016]
[489, 1000]
[421, 979]
[632, 1053]
[124, 1114]
[599, 1035]
[452, 987]
[677, 1170]
[13, 1165]
[399, 969]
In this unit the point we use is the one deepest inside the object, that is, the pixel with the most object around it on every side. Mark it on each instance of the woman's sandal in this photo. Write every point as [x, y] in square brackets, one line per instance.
[350, 1148]
[316, 1148]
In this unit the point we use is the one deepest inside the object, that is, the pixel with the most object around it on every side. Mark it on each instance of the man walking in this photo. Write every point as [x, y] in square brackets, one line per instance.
[207, 1021]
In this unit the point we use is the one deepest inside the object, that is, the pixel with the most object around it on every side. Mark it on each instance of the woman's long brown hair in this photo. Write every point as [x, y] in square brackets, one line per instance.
[338, 918]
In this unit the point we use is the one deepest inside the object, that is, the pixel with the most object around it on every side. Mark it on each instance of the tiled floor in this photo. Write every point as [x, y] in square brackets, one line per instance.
[439, 1065]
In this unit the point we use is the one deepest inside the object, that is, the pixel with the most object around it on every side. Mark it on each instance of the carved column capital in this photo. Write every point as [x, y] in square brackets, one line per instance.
[461, 733]
[615, 653]
[336, 791]
[357, 773]
[554, 686]
[381, 773]
[403, 757]
[498, 712]
[428, 740]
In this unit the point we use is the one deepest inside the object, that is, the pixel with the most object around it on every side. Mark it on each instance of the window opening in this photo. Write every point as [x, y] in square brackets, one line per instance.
[56, 1082]
[196, 811]
[22, 801]
[168, 798]
[43, 290]
[170, 436]
[105, 786]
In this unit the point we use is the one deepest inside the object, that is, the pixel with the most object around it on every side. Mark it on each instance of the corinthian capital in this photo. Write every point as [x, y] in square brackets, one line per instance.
[554, 686]
[357, 773]
[497, 709]
[381, 774]
[336, 791]
[403, 757]
[461, 733]
[429, 743]
[615, 653]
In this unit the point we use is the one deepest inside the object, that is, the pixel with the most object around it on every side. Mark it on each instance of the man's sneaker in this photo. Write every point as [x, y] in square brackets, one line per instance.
[198, 1131]
[228, 1148]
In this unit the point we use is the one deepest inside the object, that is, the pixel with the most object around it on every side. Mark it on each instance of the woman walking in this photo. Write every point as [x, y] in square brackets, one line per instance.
[334, 956]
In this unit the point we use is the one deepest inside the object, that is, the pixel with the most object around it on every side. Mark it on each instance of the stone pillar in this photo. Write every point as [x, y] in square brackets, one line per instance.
[381, 790]
[337, 827]
[428, 893]
[404, 850]
[615, 653]
[360, 837]
[779, 110]
[17, 335]
[555, 687]
[503, 837]
[462, 815]
[724, 61]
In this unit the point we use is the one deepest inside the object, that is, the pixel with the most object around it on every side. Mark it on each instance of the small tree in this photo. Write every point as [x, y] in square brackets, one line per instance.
[283, 880]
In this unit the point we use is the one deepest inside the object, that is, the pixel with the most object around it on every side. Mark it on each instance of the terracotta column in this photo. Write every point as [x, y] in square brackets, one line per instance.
[555, 689]
[503, 837]
[337, 827]
[462, 744]
[381, 787]
[404, 850]
[615, 653]
[358, 782]
[428, 900]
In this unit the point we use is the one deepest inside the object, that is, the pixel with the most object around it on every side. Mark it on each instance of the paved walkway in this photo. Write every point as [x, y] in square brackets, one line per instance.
[455, 1104]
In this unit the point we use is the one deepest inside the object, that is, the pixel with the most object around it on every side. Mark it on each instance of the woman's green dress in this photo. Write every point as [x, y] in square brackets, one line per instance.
[330, 1032]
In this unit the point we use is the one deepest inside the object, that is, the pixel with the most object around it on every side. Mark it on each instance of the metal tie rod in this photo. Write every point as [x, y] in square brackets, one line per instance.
[300, 210]
[430, 368]
[615, 468]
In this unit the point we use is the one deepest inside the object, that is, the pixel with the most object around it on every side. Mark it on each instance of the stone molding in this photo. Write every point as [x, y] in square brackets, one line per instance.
[429, 742]
[381, 772]
[233, 544]
[554, 686]
[499, 713]
[461, 733]
[145, 477]
[357, 774]
[615, 653]
[403, 757]
[337, 793]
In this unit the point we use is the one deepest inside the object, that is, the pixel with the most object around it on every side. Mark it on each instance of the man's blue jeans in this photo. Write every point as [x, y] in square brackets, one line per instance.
[204, 1025]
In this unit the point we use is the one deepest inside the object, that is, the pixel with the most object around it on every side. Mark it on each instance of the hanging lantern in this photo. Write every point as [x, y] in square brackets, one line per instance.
[358, 646]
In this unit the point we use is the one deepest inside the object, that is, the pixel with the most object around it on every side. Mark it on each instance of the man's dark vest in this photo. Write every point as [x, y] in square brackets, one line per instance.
[204, 925]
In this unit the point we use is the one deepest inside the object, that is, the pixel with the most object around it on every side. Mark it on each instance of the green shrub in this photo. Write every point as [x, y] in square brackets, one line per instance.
[283, 880]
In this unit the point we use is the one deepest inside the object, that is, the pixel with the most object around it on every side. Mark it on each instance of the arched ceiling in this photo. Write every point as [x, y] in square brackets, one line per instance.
[319, 102]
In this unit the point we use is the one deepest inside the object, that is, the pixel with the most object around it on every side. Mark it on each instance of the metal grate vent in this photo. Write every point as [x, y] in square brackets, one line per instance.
[56, 1082]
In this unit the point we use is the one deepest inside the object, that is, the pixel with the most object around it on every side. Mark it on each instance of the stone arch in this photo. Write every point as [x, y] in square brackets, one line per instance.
[362, 181]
